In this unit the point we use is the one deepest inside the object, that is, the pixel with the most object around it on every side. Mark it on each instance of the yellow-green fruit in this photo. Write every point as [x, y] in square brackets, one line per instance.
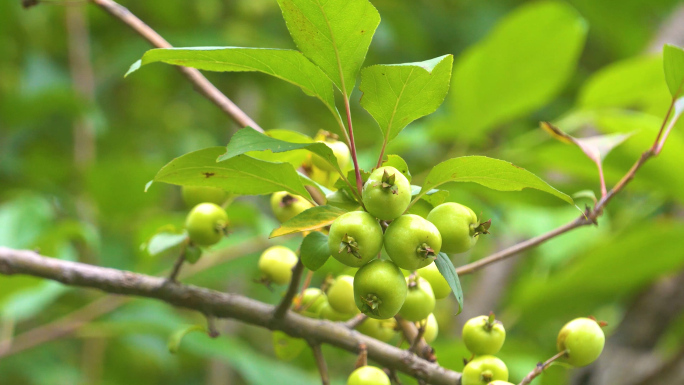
[431, 329]
[194, 195]
[484, 369]
[341, 152]
[276, 264]
[355, 238]
[285, 347]
[380, 329]
[206, 224]
[368, 375]
[327, 312]
[482, 336]
[412, 242]
[387, 193]
[341, 295]
[440, 286]
[420, 301]
[286, 205]
[311, 301]
[457, 225]
[497, 382]
[583, 339]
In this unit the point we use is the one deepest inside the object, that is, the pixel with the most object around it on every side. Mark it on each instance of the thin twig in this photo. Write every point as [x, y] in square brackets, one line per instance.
[320, 363]
[356, 321]
[177, 266]
[286, 302]
[202, 84]
[220, 305]
[410, 332]
[212, 330]
[417, 339]
[540, 368]
[362, 358]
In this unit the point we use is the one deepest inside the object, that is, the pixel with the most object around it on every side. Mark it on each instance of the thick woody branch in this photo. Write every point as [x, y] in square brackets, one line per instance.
[201, 83]
[221, 305]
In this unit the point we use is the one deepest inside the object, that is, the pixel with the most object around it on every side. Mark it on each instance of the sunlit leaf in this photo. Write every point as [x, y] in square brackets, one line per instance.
[311, 219]
[400, 164]
[595, 147]
[673, 61]
[334, 34]
[164, 241]
[176, 338]
[397, 94]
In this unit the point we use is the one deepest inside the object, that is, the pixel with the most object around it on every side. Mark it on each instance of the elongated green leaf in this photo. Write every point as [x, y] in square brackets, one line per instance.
[446, 268]
[311, 219]
[397, 94]
[240, 175]
[519, 67]
[164, 241]
[248, 139]
[342, 199]
[334, 34]
[673, 61]
[314, 251]
[434, 197]
[176, 338]
[285, 64]
[400, 164]
[493, 173]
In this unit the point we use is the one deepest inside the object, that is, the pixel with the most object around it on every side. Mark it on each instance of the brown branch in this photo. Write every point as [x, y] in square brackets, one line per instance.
[418, 344]
[173, 277]
[540, 368]
[320, 363]
[201, 83]
[286, 302]
[356, 321]
[221, 305]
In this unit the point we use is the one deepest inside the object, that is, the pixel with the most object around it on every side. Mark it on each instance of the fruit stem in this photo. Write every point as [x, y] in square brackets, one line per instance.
[352, 144]
[541, 367]
[362, 360]
[179, 263]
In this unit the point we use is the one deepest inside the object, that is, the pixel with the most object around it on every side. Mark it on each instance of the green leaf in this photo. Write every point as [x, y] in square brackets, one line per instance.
[176, 338]
[400, 164]
[311, 219]
[519, 67]
[248, 140]
[334, 34]
[165, 241]
[397, 94]
[314, 251]
[285, 64]
[240, 175]
[673, 61]
[493, 173]
[295, 157]
[446, 268]
[342, 199]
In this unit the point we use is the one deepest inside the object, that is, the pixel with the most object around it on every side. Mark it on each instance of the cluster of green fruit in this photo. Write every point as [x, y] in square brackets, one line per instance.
[580, 343]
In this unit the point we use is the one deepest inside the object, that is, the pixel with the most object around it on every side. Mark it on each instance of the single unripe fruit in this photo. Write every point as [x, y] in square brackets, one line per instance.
[380, 329]
[420, 301]
[206, 224]
[500, 383]
[583, 339]
[276, 264]
[379, 289]
[368, 375]
[484, 369]
[483, 335]
[286, 205]
[440, 286]
[458, 226]
[327, 312]
[194, 195]
[341, 152]
[355, 238]
[431, 329]
[412, 242]
[387, 193]
[341, 295]
[311, 301]
[285, 347]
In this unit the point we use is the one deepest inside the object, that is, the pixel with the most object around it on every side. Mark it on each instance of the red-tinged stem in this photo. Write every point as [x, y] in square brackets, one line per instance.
[352, 144]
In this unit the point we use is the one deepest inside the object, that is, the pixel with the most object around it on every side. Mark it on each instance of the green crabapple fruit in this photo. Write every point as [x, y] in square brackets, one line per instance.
[327, 312]
[500, 383]
[355, 238]
[484, 369]
[583, 340]
[380, 329]
[368, 375]
[420, 301]
[379, 289]
[285, 347]
[341, 295]
[206, 224]
[431, 329]
[440, 286]
[341, 152]
[458, 226]
[484, 335]
[412, 242]
[194, 195]
[276, 264]
[286, 205]
[387, 193]
[311, 301]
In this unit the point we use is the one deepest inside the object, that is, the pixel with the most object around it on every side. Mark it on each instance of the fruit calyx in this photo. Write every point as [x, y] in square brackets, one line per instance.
[425, 251]
[388, 183]
[487, 375]
[491, 321]
[372, 301]
[287, 200]
[350, 245]
[481, 228]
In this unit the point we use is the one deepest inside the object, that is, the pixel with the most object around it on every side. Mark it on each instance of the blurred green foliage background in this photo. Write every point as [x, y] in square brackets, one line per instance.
[590, 66]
